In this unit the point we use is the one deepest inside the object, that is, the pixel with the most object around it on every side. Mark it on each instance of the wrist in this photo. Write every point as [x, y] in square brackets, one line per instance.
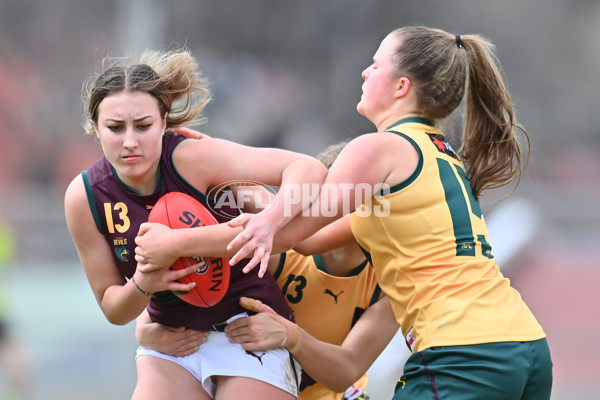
[274, 215]
[292, 337]
[138, 287]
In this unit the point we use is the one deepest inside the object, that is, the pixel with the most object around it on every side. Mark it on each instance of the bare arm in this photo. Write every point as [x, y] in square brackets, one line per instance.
[361, 169]
[337, 367]
[330, 237]
[296, 174]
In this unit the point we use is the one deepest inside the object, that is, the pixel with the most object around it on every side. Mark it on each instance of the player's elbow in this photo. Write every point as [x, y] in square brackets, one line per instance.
[117, 321]
[340, 384]
[338, 388]
[116, 318]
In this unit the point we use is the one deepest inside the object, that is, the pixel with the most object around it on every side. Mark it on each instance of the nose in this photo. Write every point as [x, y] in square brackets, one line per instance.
[364, 73]
[130, 139]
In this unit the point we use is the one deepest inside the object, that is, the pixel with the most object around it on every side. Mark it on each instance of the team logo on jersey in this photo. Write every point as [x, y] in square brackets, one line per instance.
[442, 144]
[122, 252]
[335, 296]
[410, 339]
[354, 393]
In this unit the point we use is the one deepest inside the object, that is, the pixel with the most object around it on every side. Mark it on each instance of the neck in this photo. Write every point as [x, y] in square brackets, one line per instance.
[144, 185]
[341, 261]
[391, 119]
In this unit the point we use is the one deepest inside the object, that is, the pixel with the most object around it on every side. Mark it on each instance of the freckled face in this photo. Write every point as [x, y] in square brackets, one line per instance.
[378, 89]
[130, 130]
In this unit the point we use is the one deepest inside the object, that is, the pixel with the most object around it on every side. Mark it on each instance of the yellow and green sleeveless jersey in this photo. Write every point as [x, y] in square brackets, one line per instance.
[325, 306]
[432, 255]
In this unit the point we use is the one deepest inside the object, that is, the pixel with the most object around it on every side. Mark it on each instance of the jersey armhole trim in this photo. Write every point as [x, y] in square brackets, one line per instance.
[195, 191]
[91, 201]
[358, 269]
[376, 295]
[417, 170]
[367, 255]
[318, 260]
[280, 265]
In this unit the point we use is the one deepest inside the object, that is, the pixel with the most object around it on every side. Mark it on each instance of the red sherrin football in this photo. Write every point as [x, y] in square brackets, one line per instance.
[178, 210]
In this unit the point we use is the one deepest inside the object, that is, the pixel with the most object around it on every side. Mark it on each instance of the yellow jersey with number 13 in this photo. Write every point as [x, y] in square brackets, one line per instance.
[432, 255]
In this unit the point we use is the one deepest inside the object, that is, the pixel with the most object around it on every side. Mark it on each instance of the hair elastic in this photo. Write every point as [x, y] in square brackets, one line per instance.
[459, 42]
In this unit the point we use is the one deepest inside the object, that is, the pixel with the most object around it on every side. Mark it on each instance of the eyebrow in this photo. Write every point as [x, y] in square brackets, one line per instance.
[135, 120]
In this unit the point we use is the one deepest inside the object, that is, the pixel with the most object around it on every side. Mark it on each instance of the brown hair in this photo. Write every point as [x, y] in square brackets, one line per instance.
[329, 155]
[171, 77]
[433, 60]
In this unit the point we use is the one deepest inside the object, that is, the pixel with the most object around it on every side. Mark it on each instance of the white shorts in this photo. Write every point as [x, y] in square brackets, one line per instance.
[219, 357]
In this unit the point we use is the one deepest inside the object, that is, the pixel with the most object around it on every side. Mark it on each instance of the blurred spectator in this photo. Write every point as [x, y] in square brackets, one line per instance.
[24, 145]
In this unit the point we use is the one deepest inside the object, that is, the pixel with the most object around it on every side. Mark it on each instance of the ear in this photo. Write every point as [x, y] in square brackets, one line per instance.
[403, 86]
[164, 122]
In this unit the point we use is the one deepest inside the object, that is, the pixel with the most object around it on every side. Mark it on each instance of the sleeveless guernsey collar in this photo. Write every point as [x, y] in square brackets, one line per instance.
[132, 190]
[418, 120]
[322, 267]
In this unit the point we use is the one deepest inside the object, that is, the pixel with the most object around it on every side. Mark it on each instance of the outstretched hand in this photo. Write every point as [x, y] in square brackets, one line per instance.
[256, 237]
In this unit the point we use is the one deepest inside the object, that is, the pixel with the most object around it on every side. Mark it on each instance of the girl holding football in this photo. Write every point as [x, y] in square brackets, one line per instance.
[131, 110]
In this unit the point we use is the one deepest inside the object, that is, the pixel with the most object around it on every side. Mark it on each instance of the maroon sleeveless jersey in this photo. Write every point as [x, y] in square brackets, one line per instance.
[119, 211]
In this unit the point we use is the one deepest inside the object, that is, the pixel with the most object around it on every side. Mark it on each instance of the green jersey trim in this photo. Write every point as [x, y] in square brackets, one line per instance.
[91, 201]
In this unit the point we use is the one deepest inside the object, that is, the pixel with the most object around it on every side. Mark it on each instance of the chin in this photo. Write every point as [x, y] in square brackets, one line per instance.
[359, 108]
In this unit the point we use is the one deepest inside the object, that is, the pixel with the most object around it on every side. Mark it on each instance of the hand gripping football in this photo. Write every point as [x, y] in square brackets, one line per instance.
[178, 210]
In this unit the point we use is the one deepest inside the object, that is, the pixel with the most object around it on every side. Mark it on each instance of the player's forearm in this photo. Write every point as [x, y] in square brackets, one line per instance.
[327, 214]
[333, 366]
[300, 186]
[205, 241]
[123, 304]
[337, 367]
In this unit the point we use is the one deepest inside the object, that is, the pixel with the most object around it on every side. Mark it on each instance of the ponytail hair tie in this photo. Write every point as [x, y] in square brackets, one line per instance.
[459, 42]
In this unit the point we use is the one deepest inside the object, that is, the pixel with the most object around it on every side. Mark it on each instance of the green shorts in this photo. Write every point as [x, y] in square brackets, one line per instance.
[491, 371]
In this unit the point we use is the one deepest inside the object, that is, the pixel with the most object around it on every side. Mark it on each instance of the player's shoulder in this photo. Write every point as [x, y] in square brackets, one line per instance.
[75, 189]
[208, 151]
[205, 145]
[374, 142]
[78, 213]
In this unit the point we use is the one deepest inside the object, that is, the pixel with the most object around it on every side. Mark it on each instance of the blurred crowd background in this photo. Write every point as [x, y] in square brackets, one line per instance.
[286, 73]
